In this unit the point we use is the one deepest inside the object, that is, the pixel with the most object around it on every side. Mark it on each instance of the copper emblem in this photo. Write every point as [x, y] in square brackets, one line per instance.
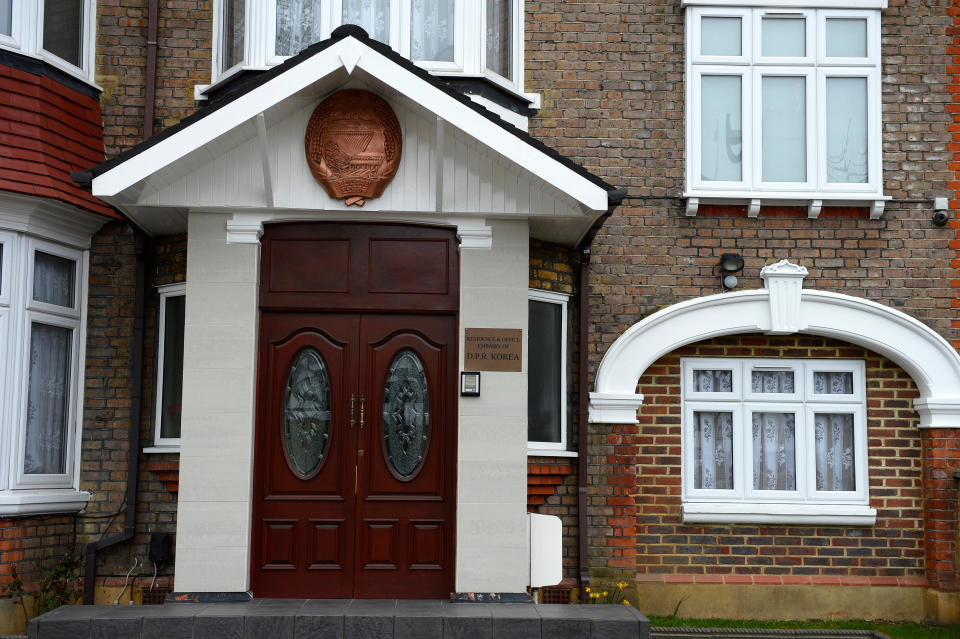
[353, 145]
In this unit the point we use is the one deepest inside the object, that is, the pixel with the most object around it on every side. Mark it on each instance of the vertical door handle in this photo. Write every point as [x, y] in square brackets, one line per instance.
[353, 399]
[363, 401]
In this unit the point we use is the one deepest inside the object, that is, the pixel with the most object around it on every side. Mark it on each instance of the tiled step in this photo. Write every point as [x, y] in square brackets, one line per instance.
[342, 619]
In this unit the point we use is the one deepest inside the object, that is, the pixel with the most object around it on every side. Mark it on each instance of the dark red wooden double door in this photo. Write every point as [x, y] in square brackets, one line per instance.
[356, 434]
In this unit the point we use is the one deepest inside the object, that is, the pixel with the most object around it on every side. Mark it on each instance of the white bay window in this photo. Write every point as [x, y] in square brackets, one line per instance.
[60, 32]
[775, 441]
[784, 107]
[446, 37]
[42, 301]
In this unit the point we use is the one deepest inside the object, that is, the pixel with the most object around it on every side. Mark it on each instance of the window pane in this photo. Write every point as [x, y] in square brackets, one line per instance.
[234, 23]
[783, 37]
[172, 391]
[63, 29]
[1, 269]
[500, 37]
[846, 38]
[713, 450]
[833, 433]
[771, 382]
[431, 30]
[6, 17]
[847, 130]
[713, 381]
[53, 279]
[833, 382]
[406, 415]
[306, 414]
[545, 368]
[720, 36]
[784, 129]
[298, 25]
[774, 451]
[721, 135]
[48, 400]
[372, 15]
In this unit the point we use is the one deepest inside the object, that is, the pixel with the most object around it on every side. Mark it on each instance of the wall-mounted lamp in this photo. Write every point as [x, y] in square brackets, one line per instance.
[941, 211]
[730, 263]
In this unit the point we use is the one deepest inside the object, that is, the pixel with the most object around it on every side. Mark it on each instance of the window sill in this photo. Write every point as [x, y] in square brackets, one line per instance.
[548, 452]
[778, 513]
[813, 201]
[160, 450]
[14, 503]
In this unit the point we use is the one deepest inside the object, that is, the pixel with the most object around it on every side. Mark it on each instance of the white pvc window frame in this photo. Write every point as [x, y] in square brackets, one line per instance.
[563, 301]
[27, 37]
[71, 318]
[784, 506]
[469, 39]
[752, 66]
[163, 444]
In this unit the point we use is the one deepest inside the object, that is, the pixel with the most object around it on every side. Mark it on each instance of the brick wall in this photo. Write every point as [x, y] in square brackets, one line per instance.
[649, 454]
[183, 61]
[33, 545]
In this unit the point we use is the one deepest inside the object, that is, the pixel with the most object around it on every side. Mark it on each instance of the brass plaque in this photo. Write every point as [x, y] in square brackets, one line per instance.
[493, 349]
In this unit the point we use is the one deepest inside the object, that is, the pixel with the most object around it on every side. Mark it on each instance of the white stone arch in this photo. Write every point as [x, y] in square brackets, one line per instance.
[783, 307]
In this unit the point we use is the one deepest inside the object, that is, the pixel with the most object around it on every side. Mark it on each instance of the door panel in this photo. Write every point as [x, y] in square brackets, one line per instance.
[416, 560]
[307, 523]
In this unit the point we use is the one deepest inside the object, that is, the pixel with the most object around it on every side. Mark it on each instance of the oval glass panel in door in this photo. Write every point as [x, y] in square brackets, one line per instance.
[306, 414]
[406, 415]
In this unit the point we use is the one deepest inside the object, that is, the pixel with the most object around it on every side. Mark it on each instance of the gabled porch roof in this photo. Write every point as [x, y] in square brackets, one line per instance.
[245, 153]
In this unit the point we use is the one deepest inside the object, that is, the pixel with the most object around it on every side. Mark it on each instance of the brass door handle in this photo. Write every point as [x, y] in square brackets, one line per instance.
[363, 401]
[353, 399]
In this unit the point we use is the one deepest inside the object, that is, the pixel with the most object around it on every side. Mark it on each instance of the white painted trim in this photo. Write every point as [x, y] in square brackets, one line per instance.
[615, 408]
[111, 183]
[550, 452]
[789, 4]
[929, 359]
[768, 513]
[35, 502]
[161, 450]
[165, 293]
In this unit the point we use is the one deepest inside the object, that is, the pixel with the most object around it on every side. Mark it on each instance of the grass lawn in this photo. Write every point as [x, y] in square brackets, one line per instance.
[889, 628]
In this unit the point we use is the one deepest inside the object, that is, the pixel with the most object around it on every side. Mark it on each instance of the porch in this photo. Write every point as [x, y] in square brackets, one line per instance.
[343, 619]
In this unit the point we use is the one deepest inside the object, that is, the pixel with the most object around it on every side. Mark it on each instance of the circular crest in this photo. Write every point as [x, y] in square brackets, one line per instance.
[353, 145]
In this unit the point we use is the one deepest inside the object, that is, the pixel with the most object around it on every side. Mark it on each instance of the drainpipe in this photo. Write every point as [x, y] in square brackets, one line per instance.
[133, 434]
[583, 373]
[150, 88]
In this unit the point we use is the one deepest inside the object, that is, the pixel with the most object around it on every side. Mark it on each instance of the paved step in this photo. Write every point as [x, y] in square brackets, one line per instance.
[342, 619]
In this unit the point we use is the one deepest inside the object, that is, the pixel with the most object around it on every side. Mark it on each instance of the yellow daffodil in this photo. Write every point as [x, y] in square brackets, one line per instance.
[587, 588]
[626, 603]
[604, 593]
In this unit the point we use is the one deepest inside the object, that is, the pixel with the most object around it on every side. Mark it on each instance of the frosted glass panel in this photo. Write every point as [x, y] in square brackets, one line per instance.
[298, 24]
[372, 15]
[6, 17]
[713, 450]
[431, 30]
[784, 129]
[721, 135]
[48, 400]
[720, 36]
[846, 38]
[847, 130]
[784, 37]
[53, 279]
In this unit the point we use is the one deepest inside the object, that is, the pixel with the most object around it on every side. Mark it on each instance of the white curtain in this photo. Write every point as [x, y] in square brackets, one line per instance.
[833, 383]
[298, 25]
[771, 381]
[53, 279]
[431, 30]
[713, 450]
[713, 381]
[833, 433]
[500, 37]
[372, 15]
[48, 399]
[774, 451]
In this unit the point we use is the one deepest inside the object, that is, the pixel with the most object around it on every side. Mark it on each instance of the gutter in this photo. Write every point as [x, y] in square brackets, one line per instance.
[133, 434]
[614, 197]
